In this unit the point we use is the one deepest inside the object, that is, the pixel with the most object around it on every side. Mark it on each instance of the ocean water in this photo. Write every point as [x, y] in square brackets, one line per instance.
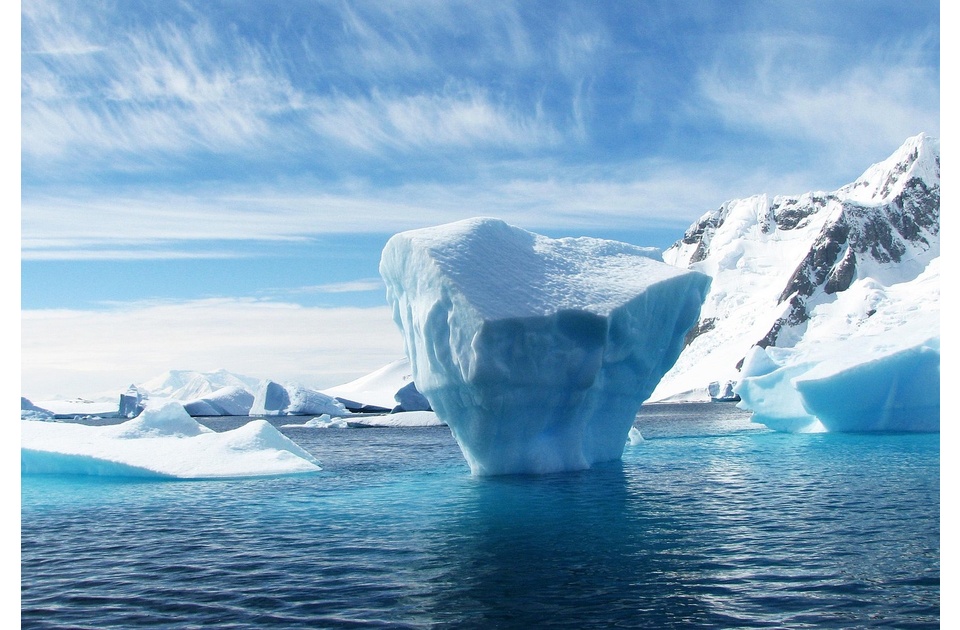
[711, 522]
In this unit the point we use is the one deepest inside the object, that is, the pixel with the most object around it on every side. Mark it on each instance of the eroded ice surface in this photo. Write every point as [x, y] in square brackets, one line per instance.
[536, 352]
[164, 441]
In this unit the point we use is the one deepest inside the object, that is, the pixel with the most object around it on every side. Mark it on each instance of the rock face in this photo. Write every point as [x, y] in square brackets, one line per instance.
[778, 262]
[536, 352]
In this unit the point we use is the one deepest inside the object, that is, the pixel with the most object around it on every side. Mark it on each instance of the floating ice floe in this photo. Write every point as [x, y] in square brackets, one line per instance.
[403, 419]
[537, 352]
[164, 441]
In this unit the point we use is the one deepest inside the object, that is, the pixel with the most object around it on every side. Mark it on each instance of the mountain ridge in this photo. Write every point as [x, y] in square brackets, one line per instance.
[774, 261]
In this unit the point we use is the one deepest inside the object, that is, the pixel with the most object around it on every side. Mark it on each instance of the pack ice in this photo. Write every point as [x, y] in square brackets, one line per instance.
[537, 352]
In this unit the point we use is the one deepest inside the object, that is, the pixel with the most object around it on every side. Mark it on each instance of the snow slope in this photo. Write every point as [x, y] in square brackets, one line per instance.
[797, 272]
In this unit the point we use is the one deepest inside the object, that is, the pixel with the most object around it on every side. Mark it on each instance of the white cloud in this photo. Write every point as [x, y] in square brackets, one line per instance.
[632, 196]
[466, 118]
[789, 89]
[74, 352]
[354, 286]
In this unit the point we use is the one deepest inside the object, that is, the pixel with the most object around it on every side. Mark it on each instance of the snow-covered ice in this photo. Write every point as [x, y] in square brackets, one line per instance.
[536, 352]
[164, 441]
[275, 399]
[779, 263]
[870, 361]
[378, 387]
[226, 401]
[405, 419]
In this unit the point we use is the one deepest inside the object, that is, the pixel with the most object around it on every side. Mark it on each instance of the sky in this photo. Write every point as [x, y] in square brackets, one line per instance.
[209, 184]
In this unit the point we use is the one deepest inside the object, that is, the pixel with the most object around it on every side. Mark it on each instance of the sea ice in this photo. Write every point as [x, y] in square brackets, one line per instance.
[536, 352]
[163, 441]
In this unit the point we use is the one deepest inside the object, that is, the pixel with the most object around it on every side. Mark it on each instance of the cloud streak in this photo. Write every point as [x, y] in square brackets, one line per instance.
[648, 194]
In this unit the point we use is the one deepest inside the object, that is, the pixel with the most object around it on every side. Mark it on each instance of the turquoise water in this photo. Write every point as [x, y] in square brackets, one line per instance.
[712, 522]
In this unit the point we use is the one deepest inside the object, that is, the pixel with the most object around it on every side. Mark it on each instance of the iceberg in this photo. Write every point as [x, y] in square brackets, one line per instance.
[162, 442]
[536, 352]
[378, 391]
[226, 401]
[29, 411]
[409, 399]
[274, 399]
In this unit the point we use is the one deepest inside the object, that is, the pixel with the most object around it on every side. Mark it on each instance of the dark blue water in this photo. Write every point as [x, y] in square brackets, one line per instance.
[711, 522]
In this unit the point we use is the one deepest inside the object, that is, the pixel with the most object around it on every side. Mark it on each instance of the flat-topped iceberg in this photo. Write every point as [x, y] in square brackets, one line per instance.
[537, 352]
[164, 442]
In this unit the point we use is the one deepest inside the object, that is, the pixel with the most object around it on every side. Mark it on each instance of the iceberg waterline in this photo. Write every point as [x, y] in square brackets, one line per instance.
[537, 352]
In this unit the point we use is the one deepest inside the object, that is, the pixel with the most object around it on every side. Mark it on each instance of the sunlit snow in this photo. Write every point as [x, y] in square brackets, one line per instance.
[164, 441]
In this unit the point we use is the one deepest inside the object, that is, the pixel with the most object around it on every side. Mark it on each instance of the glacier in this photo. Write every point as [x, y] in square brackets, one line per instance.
[824, 310]
[162, 442]
[536, 352]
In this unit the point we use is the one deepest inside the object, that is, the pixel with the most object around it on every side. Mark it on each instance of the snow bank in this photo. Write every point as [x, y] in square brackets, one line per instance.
[165, 442]
[404, 419]
[536, 352]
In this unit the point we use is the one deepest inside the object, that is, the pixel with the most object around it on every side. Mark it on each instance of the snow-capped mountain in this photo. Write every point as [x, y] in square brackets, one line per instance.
[778, 262]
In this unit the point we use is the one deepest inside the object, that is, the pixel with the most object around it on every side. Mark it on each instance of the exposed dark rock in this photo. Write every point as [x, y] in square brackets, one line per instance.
[704, 325]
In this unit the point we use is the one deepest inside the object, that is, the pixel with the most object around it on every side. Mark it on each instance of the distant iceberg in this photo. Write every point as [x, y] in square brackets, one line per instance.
[163, 442]
[536, 352]
[275, 399]
[226, 401]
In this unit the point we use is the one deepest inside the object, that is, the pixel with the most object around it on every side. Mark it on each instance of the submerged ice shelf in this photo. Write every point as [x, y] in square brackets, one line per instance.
[536, 352]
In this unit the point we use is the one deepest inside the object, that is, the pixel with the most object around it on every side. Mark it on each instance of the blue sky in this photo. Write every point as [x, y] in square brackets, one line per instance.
[209, 184]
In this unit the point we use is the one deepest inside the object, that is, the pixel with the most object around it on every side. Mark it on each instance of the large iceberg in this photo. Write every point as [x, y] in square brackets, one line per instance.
[163, 441]
[536, 352]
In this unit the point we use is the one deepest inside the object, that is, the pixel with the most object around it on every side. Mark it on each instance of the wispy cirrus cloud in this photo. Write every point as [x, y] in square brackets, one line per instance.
[352, 286]
[151, 94]
[462, 118]
[148, 222]
[802, 89]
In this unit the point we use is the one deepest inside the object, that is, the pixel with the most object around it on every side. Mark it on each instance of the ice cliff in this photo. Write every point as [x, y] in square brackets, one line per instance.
[536, 352]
